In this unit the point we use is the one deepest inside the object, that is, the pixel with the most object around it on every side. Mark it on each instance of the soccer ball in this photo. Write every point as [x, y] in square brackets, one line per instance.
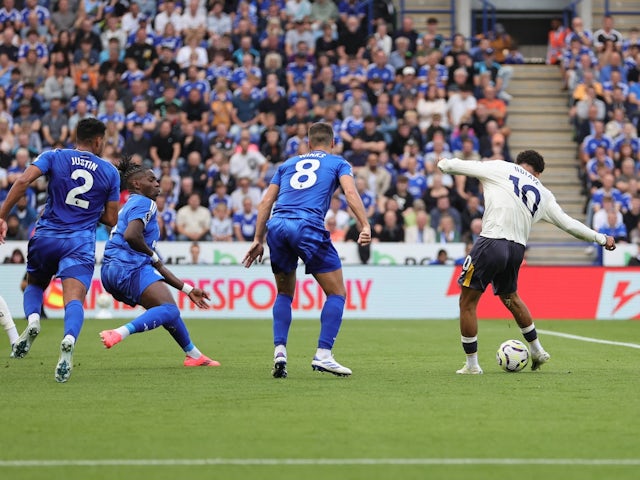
[512, 356]
[104, 300]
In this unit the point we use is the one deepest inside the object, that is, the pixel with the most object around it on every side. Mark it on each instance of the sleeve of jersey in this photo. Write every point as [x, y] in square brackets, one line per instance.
[275, 180]
[555, 215]
[464, 167]
[142, 209]
[345, 169]
[114, 193]
[43, 162]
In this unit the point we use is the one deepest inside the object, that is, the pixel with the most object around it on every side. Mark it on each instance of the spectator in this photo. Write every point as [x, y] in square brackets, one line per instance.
[193, 221]
[391, 230]
[16, 257]
[351, 41]
[336, 234]
[55, 124]
[399, 193]
[442, 258]
[137, 143]
[15, 231]
[244, 221]
[377, 178]
[421, 231]
[221, 224]
[244, 189]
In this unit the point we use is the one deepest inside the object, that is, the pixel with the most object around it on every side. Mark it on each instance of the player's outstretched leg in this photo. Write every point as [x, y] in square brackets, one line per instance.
[281, 323]
[330, 321]
[152, 318]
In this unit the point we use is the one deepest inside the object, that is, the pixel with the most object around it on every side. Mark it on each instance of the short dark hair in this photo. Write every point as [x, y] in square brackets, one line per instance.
[320, 134]
[90, 128]
[532, 158]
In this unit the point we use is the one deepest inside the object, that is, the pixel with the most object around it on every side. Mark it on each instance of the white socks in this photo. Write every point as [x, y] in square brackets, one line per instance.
[322, 353]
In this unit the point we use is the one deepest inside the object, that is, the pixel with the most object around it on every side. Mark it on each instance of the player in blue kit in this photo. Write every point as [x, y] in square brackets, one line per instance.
[83, 190]
[133, 273]
[301, 190]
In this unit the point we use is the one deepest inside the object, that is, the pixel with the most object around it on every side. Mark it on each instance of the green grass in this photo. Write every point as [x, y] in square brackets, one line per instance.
[403, 401]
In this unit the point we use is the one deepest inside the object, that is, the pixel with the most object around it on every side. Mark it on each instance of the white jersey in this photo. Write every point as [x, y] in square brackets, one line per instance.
[514, 200]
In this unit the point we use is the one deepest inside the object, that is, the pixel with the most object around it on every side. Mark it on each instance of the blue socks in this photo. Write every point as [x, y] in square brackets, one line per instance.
[153, 318]
[73, 318]
[330, 321]
[32, 300]
[281, 319]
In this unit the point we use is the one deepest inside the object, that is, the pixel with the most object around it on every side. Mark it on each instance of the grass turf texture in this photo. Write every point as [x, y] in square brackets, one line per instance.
[404, 401]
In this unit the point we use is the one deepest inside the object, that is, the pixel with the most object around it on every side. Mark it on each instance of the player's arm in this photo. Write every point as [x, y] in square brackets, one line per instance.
[456, 166]
[18, 190]
[357, 207]
[134, 236]
[264, 211]
[555, 215]
[110, 215]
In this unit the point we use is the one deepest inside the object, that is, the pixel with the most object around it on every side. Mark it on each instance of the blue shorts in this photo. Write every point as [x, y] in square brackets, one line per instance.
[72, 257]
[127, 285]
[492, 261]
[290, 239]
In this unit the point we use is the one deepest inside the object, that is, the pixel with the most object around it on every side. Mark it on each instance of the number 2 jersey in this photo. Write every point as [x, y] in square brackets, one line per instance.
[80, 185]
[307, 183]
[117, 250]
[514, 200]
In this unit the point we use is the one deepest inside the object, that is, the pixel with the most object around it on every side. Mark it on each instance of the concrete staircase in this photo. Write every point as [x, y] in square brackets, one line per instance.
[538, 119]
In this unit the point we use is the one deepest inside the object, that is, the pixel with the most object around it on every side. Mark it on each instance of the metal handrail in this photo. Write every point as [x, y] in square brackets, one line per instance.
[609, 11]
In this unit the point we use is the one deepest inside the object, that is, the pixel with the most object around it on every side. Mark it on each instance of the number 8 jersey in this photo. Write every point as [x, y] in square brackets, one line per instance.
[80, 185]
[307, 183]
[514, 200]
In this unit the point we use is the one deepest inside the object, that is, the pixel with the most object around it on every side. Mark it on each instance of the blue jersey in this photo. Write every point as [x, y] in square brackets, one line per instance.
[80, 185]
[117, 250]
[307, 183]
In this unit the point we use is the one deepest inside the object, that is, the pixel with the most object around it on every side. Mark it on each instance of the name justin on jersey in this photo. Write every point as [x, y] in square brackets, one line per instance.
[83, 162]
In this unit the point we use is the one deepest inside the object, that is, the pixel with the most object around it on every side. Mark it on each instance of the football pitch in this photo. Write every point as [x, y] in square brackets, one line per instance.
[135, 412]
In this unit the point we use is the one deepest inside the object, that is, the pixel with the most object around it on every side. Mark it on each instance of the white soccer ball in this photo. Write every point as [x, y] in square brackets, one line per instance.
[104, 300]
[512, 356]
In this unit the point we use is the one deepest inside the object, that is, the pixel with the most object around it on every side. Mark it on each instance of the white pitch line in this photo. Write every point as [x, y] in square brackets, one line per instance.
[319, 462]
[589, 339]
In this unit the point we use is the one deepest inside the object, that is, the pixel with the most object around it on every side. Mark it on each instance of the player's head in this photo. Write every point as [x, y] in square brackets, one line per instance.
[533, 159]
[321, 136]
[138, 179]
[90, 134]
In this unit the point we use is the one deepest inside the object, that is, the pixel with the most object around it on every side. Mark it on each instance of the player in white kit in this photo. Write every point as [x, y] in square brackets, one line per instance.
[514, 200]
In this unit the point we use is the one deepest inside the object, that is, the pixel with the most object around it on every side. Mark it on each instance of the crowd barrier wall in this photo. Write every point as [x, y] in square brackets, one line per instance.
[375, 292]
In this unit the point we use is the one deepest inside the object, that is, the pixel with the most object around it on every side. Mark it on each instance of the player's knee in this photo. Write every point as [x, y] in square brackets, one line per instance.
[171, 311]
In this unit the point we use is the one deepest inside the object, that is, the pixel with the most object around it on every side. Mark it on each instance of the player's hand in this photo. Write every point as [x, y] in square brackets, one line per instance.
[255, 252]
[365, 236]
[199, 297]
[3, 230]
[611, 243]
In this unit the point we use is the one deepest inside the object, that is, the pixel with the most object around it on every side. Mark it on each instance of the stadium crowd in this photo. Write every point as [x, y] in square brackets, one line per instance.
[215, 95]
[601, 72]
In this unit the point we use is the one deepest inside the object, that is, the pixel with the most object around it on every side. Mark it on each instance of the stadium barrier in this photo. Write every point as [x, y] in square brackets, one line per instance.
[376, 292]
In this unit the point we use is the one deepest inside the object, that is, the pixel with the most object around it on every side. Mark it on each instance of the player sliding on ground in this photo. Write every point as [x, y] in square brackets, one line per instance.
[134, 274]
[301, 190]
[514, 200]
